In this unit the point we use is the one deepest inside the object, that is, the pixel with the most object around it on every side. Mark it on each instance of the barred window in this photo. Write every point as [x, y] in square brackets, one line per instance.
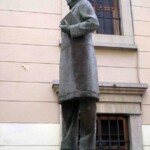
[112, 133]
[108, 15]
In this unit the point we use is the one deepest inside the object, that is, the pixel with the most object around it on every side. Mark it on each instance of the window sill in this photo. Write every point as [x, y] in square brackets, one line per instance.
[114, 41]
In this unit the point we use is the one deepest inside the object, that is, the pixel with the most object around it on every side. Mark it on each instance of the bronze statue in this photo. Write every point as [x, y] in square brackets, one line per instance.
[79, 89]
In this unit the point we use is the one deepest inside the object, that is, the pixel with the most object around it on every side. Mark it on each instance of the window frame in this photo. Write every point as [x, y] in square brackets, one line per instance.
[125, 129]
[116, 16]
[126, 39]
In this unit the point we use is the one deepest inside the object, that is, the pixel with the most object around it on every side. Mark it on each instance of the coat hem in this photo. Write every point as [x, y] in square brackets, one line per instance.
[79, 95]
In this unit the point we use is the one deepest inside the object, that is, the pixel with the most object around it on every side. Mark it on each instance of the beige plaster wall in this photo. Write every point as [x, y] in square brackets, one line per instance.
[29, 62]
[29, 45]
[141, 12]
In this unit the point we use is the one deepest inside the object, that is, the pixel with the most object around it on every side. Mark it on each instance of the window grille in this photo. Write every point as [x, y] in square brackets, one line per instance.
[112, 133]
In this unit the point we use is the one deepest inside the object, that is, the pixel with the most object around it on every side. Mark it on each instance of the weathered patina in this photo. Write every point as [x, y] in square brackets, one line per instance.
[78, 72]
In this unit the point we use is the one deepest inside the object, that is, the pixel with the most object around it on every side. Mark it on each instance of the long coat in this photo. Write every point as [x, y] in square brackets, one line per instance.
[78, 70]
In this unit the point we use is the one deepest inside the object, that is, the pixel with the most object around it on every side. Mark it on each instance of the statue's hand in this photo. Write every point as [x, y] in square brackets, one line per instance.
[65, 28]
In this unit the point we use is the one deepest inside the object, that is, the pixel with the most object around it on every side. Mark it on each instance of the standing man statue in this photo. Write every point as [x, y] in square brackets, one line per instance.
[79, 89]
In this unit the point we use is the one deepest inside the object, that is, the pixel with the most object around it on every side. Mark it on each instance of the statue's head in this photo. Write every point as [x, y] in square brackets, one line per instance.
[71, 2]
[68, 1]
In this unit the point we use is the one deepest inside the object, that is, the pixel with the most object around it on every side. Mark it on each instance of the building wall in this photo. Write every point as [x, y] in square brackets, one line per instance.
[29, 45]
[141, 12]
[29, 62]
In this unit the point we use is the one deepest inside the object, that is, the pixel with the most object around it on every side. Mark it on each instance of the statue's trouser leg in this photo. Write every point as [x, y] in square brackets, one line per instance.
[88, 125]
[70, 111]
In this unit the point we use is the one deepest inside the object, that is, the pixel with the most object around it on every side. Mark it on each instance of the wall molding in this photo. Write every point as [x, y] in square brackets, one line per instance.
[114, 88]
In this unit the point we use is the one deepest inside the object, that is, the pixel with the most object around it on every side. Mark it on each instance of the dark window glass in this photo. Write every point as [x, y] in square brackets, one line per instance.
[108, 15]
